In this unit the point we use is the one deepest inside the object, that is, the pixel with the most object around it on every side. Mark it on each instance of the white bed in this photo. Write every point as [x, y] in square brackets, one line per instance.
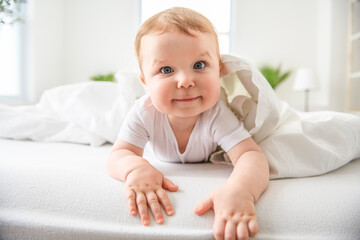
[63, 191]
[55, 190]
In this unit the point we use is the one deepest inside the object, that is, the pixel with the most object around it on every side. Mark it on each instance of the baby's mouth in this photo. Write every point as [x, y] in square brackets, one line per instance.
[187, 99]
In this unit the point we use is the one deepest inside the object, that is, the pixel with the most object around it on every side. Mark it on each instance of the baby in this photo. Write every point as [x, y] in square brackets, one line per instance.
[183, 120]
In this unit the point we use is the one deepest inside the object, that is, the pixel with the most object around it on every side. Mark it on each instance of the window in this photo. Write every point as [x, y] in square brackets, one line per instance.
[11, 59]
[218, 12]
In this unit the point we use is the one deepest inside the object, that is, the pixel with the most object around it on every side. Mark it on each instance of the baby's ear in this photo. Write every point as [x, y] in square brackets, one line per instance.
[141, 76]
[221, 66]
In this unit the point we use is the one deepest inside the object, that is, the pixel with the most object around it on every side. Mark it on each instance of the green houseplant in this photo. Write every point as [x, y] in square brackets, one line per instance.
[9, 11]
[274, 75]
[104, 77]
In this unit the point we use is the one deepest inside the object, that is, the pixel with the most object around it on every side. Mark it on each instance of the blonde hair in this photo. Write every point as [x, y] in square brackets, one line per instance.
[175, 19]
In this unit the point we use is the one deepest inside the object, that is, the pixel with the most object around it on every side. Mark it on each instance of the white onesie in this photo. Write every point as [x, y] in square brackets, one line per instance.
[217, 126]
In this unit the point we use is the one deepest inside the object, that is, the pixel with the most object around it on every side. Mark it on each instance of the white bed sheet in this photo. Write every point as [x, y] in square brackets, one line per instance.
[63, 191]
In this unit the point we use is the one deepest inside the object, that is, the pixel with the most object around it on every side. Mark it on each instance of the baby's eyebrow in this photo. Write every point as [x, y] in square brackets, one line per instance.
[205, 54]
[156, 62]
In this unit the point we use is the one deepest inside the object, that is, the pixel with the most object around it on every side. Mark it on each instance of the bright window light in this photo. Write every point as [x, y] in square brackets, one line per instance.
[9, 61]
[218, 12]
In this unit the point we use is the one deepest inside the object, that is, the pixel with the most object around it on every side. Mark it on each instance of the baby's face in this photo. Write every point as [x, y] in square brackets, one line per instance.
[181, 72]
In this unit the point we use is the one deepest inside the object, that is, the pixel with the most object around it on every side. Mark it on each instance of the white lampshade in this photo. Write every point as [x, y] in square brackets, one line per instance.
[304, 80]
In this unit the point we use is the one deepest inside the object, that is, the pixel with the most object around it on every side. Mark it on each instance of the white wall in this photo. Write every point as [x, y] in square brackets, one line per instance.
[99, 37]
[74, 39]
[296, 34]
[71, 40]
[44, 44]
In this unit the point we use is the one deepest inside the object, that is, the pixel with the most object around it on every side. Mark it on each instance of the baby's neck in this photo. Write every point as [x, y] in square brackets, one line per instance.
[182, 124]
[182, 129]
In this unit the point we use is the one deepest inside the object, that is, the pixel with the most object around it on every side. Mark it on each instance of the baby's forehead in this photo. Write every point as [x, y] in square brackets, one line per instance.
[170, 39]
[158, 35]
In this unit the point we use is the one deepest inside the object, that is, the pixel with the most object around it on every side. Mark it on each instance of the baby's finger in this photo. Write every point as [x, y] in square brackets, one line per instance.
[154, 205]
[130, 195]
[204, 205]
[165, 201]
[242, 231]
[142, 208]
[253, 227]
[169, 185]
[219, 228]
[230, 230]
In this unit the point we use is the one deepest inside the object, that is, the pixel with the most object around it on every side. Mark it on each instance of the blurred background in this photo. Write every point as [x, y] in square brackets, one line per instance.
[67, 41]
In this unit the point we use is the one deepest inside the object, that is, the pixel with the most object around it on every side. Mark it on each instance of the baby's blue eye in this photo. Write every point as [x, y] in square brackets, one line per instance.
[199, 65]
[166, 70]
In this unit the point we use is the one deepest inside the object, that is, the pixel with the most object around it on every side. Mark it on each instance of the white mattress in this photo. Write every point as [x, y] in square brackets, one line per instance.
[63, 191]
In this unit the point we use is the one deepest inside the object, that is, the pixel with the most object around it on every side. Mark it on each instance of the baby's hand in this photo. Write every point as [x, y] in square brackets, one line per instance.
[145, 187]
[235, 214]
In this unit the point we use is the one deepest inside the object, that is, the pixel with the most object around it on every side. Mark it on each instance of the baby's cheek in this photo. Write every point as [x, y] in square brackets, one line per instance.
[215, 93]
[160, 102]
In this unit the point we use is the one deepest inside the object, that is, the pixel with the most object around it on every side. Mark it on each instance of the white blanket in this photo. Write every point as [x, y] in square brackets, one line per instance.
[92, 113]
[296, 144]
[87, 113]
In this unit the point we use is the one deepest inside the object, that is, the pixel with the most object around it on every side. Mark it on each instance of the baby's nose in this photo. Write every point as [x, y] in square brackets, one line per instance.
[185, 81]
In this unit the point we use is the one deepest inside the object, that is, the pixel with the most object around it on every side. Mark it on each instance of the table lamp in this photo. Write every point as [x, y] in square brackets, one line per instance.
[305, 81]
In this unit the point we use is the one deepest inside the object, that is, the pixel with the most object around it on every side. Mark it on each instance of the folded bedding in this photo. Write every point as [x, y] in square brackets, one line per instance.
[62, 191]
[296, 144]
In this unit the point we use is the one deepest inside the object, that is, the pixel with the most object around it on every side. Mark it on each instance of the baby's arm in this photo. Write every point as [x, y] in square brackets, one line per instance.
[234, 203]
[144, 184]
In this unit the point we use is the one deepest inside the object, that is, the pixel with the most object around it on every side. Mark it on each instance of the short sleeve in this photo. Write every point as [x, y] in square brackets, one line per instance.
[227, 129]
[133, 129]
